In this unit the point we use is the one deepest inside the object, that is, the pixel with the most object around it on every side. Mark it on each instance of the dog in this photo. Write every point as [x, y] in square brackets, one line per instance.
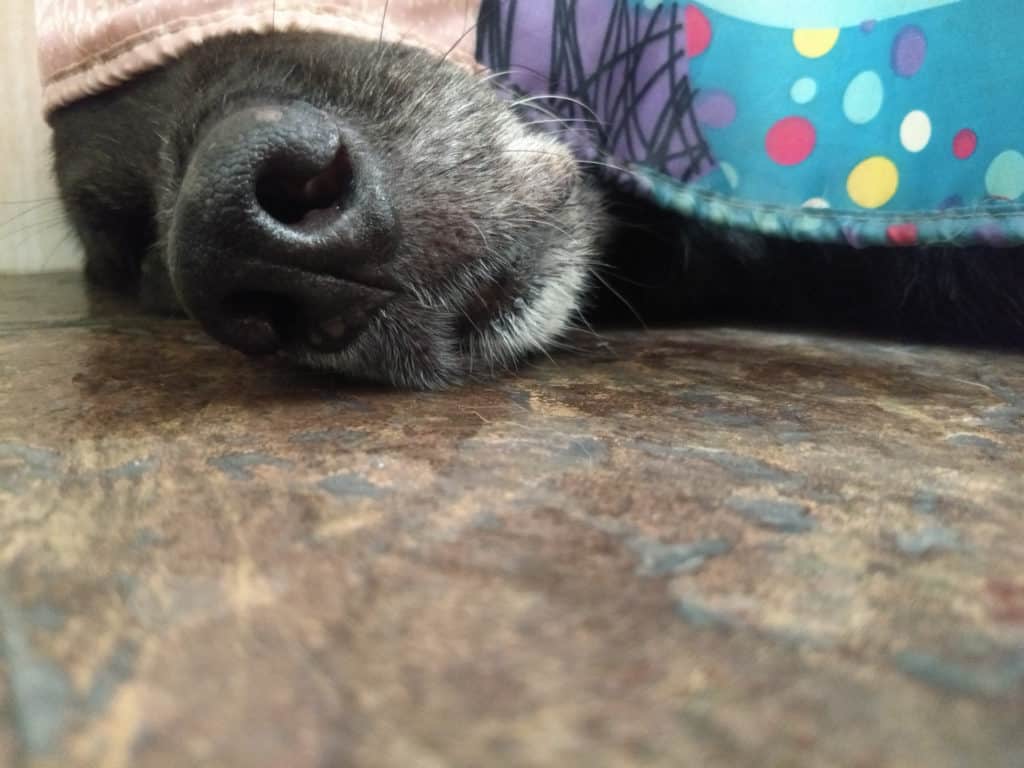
[370, 208]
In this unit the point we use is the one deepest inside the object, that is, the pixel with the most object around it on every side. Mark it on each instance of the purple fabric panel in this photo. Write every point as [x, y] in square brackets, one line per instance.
[613, 71]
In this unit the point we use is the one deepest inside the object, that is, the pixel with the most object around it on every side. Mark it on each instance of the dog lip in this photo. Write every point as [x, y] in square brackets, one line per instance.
[302, 310]
[376, 279]
[379, 281]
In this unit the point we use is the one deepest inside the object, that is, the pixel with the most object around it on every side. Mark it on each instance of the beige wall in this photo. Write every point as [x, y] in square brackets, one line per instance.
[33, 236]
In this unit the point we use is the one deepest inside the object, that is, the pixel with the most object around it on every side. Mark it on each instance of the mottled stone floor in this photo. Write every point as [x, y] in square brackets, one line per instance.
[689, 548]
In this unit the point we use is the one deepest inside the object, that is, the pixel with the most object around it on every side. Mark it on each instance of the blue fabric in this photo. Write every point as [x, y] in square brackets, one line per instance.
[863, 121]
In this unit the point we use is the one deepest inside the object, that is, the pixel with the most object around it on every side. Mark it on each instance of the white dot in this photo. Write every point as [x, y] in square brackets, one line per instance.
[804, 90]
[915, 131]
[730, 173]
[816, 202]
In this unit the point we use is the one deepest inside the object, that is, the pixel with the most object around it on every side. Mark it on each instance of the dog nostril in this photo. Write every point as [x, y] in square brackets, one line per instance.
[260, 323]
[293, 199]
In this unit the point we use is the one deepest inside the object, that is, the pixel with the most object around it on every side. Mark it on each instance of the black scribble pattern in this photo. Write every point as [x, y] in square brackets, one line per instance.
[613, 79]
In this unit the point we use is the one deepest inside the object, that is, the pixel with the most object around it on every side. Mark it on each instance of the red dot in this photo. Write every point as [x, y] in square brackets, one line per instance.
[964, 143]
[790, 141]
[698, 31]
[902, 234]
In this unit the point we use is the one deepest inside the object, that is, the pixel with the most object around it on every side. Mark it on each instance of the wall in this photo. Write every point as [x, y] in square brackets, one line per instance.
[33, 236]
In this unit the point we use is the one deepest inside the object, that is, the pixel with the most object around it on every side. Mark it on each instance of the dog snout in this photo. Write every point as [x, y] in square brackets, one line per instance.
[283, 231]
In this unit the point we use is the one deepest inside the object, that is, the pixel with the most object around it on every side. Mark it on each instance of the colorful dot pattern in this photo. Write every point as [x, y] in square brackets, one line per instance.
[901, 130]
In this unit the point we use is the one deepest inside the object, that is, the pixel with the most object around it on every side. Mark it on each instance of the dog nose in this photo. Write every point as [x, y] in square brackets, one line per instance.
[282, 231]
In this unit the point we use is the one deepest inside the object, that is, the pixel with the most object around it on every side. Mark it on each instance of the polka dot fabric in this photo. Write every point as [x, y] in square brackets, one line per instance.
[885, 120]
[896, 122]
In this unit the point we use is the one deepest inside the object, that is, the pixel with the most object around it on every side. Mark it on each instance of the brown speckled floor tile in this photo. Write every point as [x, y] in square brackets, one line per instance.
[685, 548]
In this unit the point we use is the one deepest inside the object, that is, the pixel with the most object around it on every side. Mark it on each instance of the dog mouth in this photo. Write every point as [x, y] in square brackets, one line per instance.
[492, 300]
[269, 322]
[302, 311]
[493, 329]
[515, 318]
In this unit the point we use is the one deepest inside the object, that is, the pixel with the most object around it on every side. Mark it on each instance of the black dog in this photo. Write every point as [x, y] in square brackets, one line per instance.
[377, 211]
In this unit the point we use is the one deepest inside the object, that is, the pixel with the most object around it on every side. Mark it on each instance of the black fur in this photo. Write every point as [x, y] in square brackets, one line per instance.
[488, 222]
[682, 270]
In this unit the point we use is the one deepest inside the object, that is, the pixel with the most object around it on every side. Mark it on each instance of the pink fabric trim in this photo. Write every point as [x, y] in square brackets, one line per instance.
[87, 46]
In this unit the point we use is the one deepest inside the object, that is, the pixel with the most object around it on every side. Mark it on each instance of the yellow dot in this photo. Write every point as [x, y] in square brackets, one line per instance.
[873, 182]
[814, 43]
